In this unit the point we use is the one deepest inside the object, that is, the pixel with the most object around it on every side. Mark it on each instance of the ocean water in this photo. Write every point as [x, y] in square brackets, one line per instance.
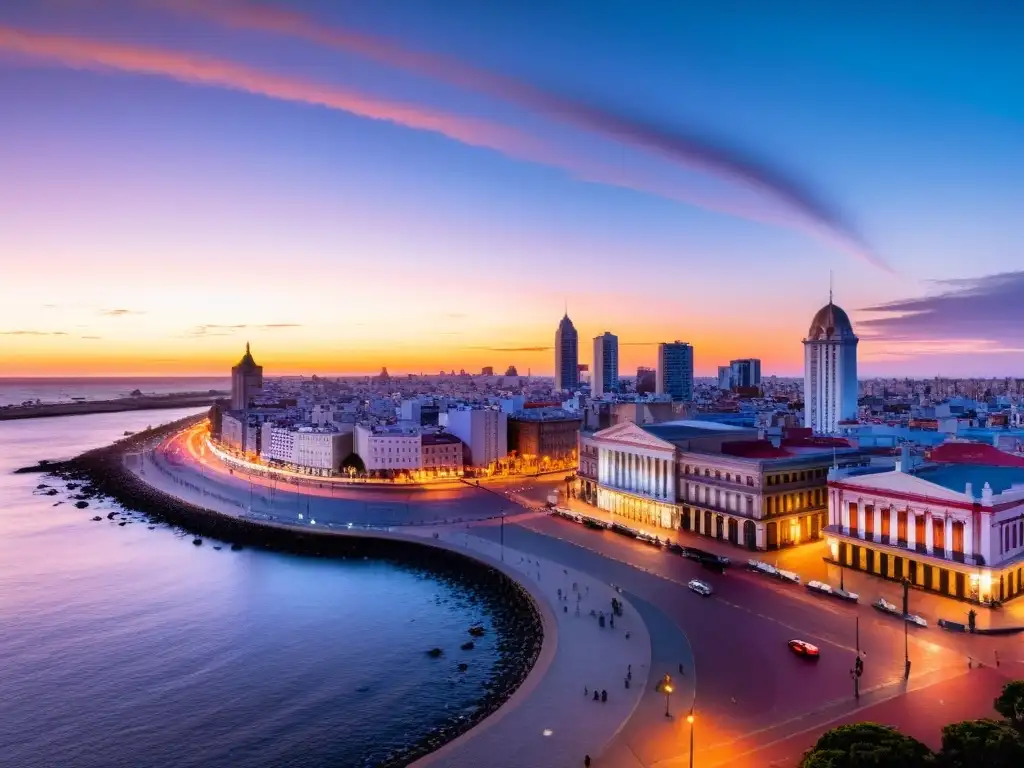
[14, 391]
[124, 646]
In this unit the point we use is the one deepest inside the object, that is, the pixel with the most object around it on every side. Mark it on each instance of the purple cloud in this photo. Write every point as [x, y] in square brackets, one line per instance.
[988, 310]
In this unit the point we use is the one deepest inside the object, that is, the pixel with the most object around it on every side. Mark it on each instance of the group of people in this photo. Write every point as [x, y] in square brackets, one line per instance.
[601, 695]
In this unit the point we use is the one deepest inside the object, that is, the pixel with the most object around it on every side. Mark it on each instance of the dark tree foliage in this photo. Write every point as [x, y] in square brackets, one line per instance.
[982, 743]
[867, 745]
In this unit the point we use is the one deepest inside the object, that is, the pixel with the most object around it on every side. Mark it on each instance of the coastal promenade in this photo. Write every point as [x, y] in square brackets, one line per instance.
[552, 719]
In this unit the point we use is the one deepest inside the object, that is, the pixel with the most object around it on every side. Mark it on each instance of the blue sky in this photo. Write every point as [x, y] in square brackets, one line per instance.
[341, 243]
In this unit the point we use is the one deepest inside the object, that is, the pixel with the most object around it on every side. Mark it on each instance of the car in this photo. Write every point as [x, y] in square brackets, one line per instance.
[916, 620]
[820, 587]
[702, 588]
[804, 649]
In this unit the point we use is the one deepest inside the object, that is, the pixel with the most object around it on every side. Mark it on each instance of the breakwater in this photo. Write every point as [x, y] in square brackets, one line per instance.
[121, 404]
[101, 473]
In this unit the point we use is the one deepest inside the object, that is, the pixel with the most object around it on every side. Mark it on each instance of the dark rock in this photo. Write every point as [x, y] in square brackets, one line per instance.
[197, 542]
[123, 523]
[434, 653]
[217, 548]
[111, 515]
[51, 492]
[468, 645]
[81, 504]
[477, 631]
[463, 667]
[97, 518]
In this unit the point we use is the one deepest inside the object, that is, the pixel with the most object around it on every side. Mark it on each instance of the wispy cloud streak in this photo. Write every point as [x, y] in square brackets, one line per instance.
[688, 149]
[986, 311]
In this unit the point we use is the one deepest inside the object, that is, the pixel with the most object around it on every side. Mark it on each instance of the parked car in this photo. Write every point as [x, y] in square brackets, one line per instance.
[702, 588]
[820, 587]
[804, 649]
[916, 620]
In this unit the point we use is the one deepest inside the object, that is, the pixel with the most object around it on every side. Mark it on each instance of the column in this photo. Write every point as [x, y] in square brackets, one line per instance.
[844, 514]
[929, 533]
[860, 519]
[663, 488]
[969, 537]
[670, 493]
[600, 465]
[948, 538]
[894, 531]
[911, 528]
[878, 523]
[647, 475]
[632, 472]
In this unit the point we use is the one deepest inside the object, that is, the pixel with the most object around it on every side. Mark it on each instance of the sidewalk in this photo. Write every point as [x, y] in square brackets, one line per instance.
[553, 723]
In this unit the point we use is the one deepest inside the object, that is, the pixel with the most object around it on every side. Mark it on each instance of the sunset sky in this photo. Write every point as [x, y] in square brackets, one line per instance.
[427, 185]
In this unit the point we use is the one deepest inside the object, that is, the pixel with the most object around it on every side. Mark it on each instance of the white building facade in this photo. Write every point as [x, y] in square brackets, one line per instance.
[483, 430]
[830, 371]
[636, 475]
[307, 447]
[897, 525]
[382, 447]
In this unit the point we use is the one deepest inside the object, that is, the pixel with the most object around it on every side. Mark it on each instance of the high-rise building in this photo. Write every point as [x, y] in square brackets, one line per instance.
[725, 377]
[746, 373]
[646, 380]
[246, 381]
[567, 356]
[605, 376]
[830, 371]
[675, 370]
[488, 370]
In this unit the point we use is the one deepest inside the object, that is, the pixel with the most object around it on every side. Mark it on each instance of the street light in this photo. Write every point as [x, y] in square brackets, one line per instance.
[689, 719]
[668, 693]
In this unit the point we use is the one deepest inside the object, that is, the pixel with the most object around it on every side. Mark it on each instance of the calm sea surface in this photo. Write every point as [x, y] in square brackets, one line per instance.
[15, 391]
[124, 646]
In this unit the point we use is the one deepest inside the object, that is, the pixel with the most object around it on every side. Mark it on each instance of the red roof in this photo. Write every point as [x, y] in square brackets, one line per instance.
[816, 442]
[974, 453]
[753, 449]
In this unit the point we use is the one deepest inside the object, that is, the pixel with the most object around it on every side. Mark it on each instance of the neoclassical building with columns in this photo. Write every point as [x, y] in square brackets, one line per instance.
[955, 529]
[636, 475]
[711, 479]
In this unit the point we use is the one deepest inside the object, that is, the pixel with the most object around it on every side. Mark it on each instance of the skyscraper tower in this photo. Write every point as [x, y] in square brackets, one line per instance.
[830, 370]
[675, 370]
[605, 376]
[246, 381]
[567, 356]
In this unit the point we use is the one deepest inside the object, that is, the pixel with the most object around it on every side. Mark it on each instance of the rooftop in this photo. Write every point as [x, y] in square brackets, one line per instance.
[956, 476]
[545, 414]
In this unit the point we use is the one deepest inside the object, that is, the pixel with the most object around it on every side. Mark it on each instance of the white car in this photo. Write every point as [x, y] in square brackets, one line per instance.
[913, 618]
[819, 586]
[700, 587]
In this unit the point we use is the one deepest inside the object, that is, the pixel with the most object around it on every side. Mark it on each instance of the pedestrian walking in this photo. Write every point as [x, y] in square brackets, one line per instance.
[597, 696]
[586, 761]
[629, 670]
[681, 672]
[586, 691]
[604, 695]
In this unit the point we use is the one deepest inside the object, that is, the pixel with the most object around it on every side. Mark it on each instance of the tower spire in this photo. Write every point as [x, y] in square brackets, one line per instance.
[247, 347]
[830, 287]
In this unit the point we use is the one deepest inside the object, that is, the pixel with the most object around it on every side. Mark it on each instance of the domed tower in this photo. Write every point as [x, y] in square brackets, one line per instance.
[830, 371]
[246, 381]
[567, 356]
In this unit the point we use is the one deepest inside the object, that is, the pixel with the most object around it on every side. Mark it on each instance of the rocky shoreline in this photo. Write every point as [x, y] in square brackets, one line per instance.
[101, 473]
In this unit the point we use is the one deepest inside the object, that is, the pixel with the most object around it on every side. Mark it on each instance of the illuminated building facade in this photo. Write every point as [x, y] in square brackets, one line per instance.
[605, 377]
[955, 529]
[636, 475]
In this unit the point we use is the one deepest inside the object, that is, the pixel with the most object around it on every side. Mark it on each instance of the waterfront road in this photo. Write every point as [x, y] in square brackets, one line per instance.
[751, 691]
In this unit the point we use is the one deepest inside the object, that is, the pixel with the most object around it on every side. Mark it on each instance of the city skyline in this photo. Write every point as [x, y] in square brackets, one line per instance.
[213, 175]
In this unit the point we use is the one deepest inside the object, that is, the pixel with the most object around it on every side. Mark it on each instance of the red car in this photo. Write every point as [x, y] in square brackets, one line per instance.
[805, 649]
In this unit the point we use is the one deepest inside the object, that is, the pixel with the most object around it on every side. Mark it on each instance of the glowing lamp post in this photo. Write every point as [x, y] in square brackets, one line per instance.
[668, 694]
[689, 719]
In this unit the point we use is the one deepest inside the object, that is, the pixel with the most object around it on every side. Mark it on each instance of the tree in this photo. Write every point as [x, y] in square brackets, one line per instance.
[1010, 703]
[987, 743]
[867, 745]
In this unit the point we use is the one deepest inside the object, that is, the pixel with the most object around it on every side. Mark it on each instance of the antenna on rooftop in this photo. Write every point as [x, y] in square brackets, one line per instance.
[830, 287]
